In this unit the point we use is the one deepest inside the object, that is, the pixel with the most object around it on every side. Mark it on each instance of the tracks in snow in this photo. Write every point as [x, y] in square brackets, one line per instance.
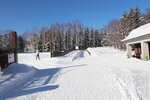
[123, 77]
[126, 90]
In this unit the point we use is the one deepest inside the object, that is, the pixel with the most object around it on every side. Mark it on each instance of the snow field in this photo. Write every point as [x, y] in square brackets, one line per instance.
[131, 75]
[13, 76]
[105, 75]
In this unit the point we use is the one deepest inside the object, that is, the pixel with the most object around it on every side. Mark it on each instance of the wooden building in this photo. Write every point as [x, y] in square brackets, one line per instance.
[8, 50]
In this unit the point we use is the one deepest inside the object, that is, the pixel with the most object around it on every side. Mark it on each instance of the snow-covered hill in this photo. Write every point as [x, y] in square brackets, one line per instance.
[105, 75]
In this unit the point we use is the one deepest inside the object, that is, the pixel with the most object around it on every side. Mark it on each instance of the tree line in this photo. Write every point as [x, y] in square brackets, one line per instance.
[118, 29]
[66, 36]
[61, 37]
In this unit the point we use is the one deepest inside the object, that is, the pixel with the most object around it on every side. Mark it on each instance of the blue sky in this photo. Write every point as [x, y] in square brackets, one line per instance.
[23, 15]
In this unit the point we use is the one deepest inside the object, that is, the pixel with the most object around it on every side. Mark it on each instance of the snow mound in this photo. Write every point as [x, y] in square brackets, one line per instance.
[76, 55]
[45, 54]
[99, 51]
[14, 76]
[42, 54]
[72, 53]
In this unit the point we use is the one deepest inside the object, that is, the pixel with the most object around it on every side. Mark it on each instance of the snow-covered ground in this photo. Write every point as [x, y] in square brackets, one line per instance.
[105, 75]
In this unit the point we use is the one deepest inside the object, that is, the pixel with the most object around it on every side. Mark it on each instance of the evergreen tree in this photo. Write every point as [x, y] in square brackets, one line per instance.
[147, 16]
[134, 18]
[62, 40]
[92, 38]
[97, 39]
[20, 44]
[40, 45]
[86, 38]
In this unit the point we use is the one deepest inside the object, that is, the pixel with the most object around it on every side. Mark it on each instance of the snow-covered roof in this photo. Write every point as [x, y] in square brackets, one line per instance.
[143, 30]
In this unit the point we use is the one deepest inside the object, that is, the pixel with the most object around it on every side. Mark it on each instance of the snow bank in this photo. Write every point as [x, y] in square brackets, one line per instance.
[14, 76]
[99, 51]
[45, 54]
[75, 55]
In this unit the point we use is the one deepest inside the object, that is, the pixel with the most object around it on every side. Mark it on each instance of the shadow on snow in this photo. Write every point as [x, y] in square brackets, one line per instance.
[27, 88]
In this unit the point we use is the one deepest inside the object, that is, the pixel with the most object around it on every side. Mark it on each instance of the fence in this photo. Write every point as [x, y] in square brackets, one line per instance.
[8, 49]
[59, 53]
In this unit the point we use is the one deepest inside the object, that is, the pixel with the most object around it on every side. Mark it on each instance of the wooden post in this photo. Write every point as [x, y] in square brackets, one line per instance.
[14, 39]
[14, 44]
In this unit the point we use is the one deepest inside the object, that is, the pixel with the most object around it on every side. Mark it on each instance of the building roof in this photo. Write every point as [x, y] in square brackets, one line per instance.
[141, 31]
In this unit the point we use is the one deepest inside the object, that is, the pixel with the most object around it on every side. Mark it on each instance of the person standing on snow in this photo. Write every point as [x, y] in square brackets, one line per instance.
[37, 54]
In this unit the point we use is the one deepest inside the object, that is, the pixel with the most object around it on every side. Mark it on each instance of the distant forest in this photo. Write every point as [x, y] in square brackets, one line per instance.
[66, 36]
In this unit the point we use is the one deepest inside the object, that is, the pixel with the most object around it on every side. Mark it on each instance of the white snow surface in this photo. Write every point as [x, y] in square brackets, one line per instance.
[143, 30]
[105, 75]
